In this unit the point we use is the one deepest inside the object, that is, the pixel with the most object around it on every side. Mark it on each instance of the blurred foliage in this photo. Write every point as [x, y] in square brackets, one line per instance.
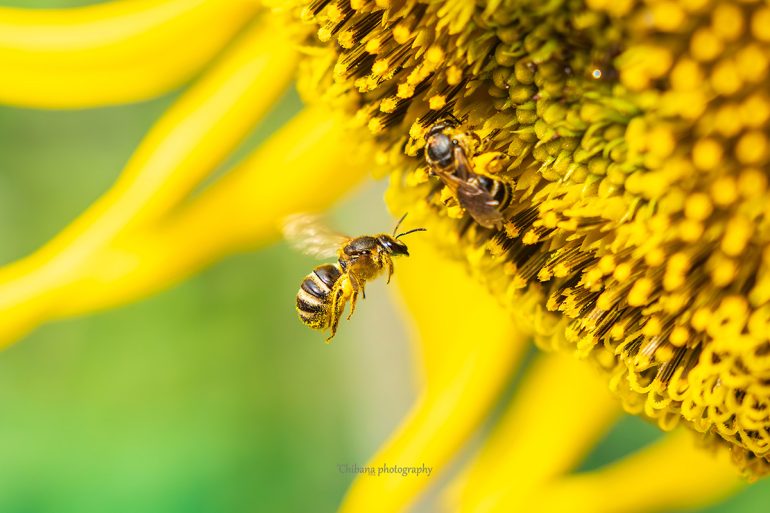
[205, 398]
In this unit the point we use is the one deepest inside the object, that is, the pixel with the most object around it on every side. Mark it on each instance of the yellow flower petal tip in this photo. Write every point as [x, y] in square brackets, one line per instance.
[111, 53]
[560, 411]
[672, 474]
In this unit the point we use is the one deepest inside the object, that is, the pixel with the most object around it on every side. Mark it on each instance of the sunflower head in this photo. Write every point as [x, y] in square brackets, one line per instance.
[634, 139]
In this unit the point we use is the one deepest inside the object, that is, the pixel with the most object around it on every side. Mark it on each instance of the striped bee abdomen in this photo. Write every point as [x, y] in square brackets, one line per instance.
[500, 191]
[313, 301]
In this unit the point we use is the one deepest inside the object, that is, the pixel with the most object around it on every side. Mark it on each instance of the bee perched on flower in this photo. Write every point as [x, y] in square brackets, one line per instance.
[613, 206]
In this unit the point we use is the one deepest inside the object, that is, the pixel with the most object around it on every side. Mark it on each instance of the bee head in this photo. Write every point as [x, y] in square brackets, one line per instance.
[392, 245]
[439, 149]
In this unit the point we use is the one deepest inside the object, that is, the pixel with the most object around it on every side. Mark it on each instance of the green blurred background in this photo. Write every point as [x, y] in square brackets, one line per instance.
[210, 397]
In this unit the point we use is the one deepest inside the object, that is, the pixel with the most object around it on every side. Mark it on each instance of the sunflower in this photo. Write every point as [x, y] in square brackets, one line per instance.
[631, 138]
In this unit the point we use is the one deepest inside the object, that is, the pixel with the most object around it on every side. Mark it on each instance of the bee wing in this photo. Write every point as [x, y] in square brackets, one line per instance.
[480, 205]
[308, 234]
[475, 199]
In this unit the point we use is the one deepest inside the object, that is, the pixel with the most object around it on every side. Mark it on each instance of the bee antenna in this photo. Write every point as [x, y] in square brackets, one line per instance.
[411, 231]
[454, 118]
[399, 223]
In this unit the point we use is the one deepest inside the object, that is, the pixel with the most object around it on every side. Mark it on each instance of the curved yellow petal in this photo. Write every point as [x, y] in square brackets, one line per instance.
[184, 146]
[111, 53]
[306, 166]
[561, 409]
[672, 474]
[479, 346]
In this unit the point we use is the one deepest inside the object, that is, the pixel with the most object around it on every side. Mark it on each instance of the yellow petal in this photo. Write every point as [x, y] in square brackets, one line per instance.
[479, 347]
[672, 474]
[187, 143]
[306, 166]
[111, 53]
[561, 409]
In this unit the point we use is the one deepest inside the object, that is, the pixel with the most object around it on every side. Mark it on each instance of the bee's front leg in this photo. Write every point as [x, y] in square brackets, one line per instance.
[388, 261]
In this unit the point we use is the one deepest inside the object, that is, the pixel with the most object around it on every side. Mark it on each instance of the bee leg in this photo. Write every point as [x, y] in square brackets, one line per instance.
[357, 285]
[389, 263]
[337, 306]
[353, 299]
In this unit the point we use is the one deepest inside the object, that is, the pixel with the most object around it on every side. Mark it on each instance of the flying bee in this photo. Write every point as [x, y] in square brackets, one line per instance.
[484, 198]
[324, 292]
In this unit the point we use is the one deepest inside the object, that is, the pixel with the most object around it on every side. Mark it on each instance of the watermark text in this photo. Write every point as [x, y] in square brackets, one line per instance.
[385, 470]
